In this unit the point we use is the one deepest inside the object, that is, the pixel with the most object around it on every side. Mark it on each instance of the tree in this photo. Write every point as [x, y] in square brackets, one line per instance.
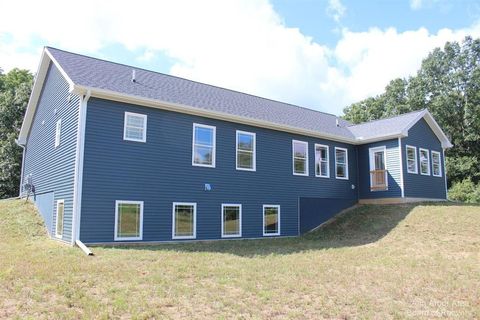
[15, 88]
[448, 85]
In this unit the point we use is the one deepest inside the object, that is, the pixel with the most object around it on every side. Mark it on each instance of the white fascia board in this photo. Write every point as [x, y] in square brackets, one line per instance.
[121, 97]
[36, 91]
[425, 114]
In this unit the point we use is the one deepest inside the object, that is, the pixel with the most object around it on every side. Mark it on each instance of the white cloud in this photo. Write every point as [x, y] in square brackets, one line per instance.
[238, 44]
[336, 9]
[416, 4]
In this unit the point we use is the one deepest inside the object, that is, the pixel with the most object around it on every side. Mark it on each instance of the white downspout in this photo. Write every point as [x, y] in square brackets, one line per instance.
[77, 195]
[23, 166]
[402, 185]
[445, 173]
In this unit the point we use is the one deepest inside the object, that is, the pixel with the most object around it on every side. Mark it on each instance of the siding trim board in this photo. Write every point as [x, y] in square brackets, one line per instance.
[400, 160]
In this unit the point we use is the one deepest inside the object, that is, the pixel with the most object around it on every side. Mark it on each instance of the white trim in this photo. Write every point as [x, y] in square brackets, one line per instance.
[433, 125]
[293, 158]
[328, 160]
[420, 162]
[445, 173]
[254, 151]
[278, 220]
[60, 235]
[117, 238]
[194, 205]
[78, 178]
[371, 153]
[416, 158]
[58, 132]
[439, 164]
[239, 234]
[144, 132]
[346, 163]
[59, 67]
[214, 145]
[400, 160]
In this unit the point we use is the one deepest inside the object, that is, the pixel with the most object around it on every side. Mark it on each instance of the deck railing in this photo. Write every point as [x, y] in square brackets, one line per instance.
[378, 180]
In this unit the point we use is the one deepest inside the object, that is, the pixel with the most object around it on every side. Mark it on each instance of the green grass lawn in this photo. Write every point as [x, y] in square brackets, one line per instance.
[381, 262]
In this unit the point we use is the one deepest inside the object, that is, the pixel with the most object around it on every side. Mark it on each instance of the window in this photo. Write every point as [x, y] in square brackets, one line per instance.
[424, 162]
[341, 163]
[60, 214]
[271, 220]
[412, 159]
[300, 158]
[436, 164]
[135, 127]
[231, 220]
[246, 151]
[128, 220]
[322, 168]
[203, 153]
[184, 220]
[58, 130]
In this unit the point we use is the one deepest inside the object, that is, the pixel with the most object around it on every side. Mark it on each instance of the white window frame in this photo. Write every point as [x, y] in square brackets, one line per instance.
[214, 145]
[254, 151]
[371, 152]
[439, 164]
[278, 222]
[144, 133]
[240, 220]
[194, 204]
[293, 158]
[60, 235]
[346, 163]
[328, 160]
[117, 203]
[58, 132]
[428, 161]
[415, 158]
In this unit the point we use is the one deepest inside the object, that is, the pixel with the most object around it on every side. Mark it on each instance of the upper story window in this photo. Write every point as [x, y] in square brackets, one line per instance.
[436, 164]
[424, 162]
[341, 163]
[300, 157]
[246, 157]
[58, 130]
[322, 168]
[135, 127]
[412, 159]
[203, 149]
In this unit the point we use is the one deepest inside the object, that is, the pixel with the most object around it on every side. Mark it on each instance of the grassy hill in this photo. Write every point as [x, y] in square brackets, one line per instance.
[383, 262]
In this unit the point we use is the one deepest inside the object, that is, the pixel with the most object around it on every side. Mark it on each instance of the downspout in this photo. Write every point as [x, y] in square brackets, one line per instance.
[23, 165]
[402, 184]
[77, 196]
[445, 173]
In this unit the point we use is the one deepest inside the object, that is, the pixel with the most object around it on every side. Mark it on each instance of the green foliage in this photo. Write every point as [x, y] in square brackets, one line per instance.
[465, 191]
[15, 88]
[448, 85]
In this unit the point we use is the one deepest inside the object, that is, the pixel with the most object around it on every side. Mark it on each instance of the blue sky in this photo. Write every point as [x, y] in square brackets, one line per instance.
[322, 54]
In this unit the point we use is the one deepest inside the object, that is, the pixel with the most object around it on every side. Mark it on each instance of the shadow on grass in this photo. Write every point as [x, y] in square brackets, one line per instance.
[363, 225]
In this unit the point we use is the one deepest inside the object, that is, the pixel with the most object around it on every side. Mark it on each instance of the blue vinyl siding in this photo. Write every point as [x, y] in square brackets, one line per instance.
[417, 185]
[393, 169]
[53, 169]
[160, 172]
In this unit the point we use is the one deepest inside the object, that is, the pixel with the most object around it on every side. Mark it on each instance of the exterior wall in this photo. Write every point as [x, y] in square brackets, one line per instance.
[315, 211]
[53, 169]
[160, 172]
[393, 169]
[417, 185]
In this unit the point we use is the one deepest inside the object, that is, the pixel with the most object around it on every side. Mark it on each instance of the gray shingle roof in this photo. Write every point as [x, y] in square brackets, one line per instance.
[384, 127]
[101, 74]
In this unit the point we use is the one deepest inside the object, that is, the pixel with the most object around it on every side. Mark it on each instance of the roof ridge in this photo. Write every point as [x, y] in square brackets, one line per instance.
[202, 83]
[390, 117]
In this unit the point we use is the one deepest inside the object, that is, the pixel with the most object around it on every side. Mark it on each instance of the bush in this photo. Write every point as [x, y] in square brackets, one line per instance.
[465, 191]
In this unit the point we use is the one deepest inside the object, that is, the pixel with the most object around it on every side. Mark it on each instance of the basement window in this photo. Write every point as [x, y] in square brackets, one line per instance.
[135, 127]
[184, 220]
[231, 220]
[271, 220]
[128, 220]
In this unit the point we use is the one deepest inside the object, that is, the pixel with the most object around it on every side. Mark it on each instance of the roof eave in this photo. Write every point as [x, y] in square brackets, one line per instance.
[437, 130]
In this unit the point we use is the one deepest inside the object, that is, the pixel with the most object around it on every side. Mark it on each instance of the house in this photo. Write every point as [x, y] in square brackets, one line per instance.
[114, 153]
